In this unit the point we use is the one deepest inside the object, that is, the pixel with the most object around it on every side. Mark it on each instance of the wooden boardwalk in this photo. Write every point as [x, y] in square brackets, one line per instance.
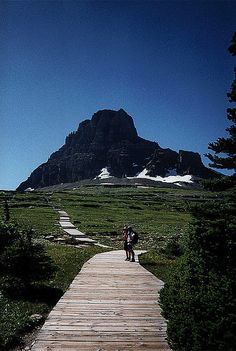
[110, 306]
[72, 231]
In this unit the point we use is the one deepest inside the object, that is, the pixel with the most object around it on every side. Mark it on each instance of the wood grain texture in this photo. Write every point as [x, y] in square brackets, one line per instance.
[112, 305]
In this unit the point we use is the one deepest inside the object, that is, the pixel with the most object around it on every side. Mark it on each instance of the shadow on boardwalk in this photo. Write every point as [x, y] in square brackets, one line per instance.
[110, 306]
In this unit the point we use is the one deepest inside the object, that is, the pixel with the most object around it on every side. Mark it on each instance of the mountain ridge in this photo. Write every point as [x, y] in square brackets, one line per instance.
[110, 140]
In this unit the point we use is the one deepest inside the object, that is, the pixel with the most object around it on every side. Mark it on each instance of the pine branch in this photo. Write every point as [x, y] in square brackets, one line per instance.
[232, 132]
[222, 163]
[232, 94]
[231, 114]
[227, 146]
[232, 48]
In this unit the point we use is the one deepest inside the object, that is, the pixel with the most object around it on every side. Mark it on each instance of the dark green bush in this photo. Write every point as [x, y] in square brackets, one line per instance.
[172, 248]
[199, 298]
[22, 261]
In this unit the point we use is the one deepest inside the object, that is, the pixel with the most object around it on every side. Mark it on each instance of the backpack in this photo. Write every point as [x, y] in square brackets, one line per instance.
[134, 238]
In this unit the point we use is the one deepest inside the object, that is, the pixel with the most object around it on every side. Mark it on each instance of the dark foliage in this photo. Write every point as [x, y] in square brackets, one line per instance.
[199, 299]
[221, 184]
[22, 262]
[6, 211]
[173, 247]
[232, 47]
[42, 293]
[91, 205]
[227, 146]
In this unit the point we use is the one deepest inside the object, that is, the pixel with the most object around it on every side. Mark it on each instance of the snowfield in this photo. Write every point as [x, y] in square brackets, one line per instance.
[172, 177]
[104, 174]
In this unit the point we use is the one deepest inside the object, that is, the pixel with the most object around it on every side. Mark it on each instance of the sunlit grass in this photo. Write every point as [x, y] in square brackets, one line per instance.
[108, 210]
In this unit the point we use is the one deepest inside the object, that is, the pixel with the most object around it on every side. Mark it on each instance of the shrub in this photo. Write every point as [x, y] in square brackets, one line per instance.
[22, 262]
[172, 247]
[198, 299]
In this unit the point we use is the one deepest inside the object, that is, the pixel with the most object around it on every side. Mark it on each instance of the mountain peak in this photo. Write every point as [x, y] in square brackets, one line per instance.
[109, 141]
[113, 125]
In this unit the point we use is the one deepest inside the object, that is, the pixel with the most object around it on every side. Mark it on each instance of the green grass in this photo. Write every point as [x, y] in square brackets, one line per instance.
[31, 211]
[69, 260]
[154, 213]
[42, 219]
[15, 319]
[159, 265]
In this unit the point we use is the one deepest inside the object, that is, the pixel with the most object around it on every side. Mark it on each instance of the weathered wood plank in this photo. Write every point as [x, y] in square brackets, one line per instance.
[101, 346]
[112, 305]
[71, 230]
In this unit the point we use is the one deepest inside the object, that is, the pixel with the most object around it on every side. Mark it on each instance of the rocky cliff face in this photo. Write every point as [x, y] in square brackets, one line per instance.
[110, 141]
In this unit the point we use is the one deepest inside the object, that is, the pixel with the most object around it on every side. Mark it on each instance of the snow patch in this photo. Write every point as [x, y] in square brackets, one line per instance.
[29, 189]
[104, 174]
[168, 179]
[179, 184]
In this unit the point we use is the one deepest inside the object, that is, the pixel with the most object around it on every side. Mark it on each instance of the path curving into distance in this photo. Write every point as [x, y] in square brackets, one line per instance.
[71, 230]
[112, 305]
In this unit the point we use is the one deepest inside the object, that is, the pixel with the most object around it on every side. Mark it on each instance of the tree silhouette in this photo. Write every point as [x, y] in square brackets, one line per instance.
[222, 145]
[198, 299]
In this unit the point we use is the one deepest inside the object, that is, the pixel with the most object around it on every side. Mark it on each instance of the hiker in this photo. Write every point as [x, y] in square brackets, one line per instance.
[125, 237]
[130, 244]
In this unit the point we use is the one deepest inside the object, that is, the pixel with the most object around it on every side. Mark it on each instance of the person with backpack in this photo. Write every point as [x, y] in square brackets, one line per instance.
[132, 239]
[125, 237]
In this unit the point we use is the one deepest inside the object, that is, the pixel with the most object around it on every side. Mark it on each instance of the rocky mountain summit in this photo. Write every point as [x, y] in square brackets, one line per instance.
[108, 146]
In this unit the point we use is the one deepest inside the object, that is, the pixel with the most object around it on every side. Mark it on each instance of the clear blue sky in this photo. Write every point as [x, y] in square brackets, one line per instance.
[165, 62]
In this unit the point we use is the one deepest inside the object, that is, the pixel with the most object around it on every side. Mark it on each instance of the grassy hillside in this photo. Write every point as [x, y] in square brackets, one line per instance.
[154, 213]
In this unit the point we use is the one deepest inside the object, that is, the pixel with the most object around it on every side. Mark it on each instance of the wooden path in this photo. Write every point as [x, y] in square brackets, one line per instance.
[71, 230]
[110, 306]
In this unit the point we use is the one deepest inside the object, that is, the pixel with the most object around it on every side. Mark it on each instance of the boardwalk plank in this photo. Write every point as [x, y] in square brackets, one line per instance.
[112, 305]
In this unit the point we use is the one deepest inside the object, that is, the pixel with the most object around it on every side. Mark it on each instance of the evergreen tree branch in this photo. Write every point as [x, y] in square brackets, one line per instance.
[231, 114]
[222, 163]
[232, 47]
